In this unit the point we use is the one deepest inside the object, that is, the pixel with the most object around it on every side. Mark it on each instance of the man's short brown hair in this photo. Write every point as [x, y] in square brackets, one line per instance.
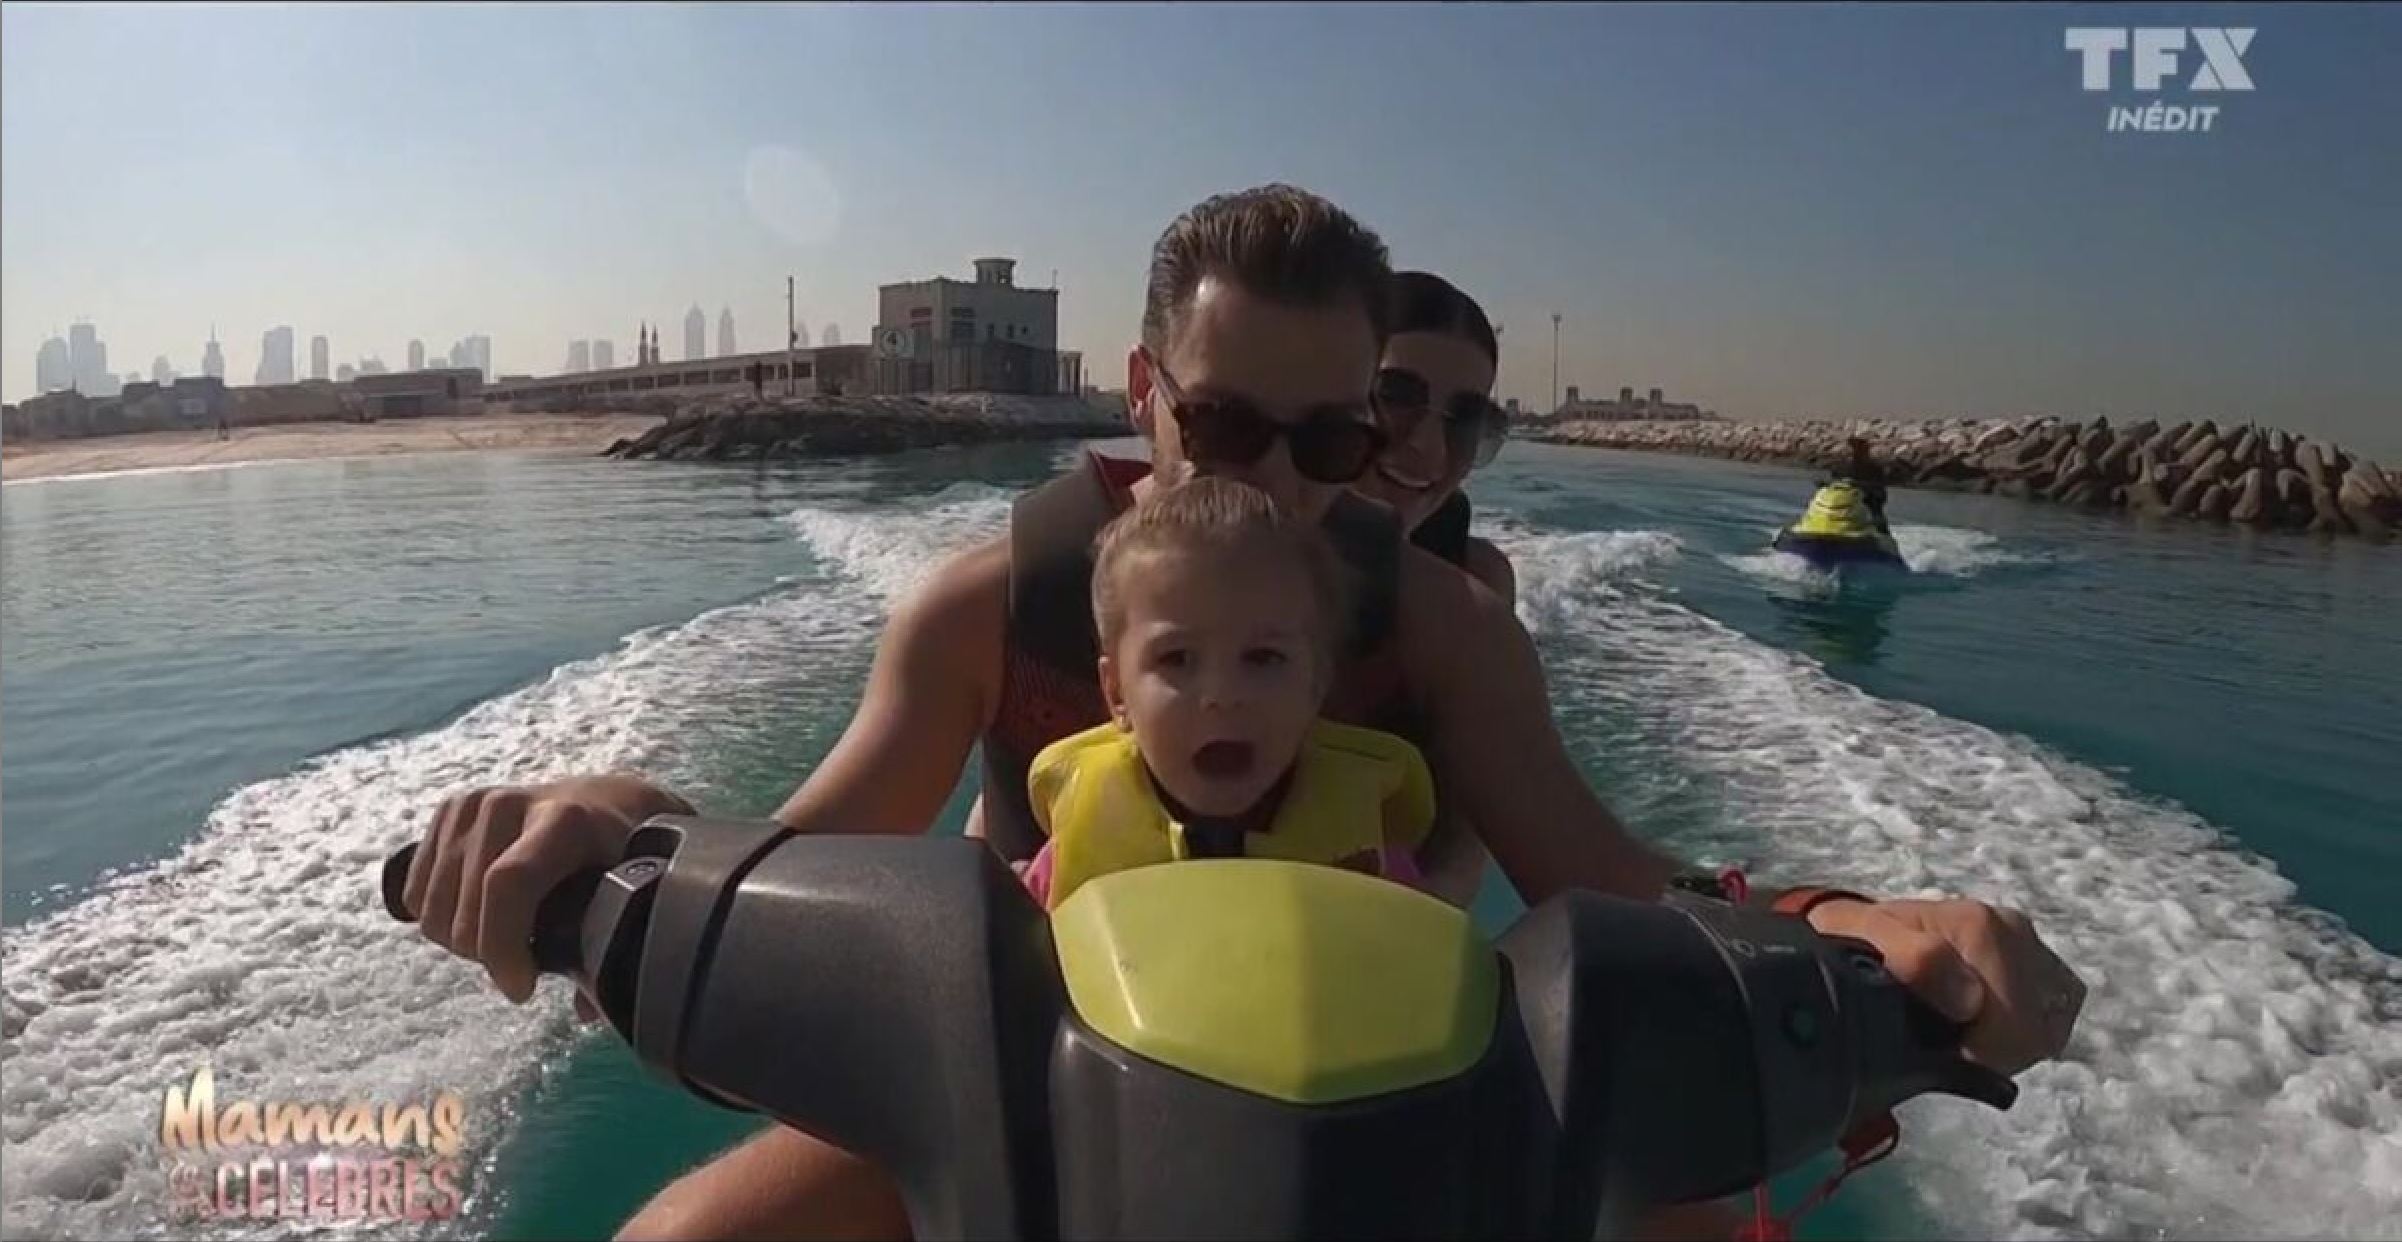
[1279, 242]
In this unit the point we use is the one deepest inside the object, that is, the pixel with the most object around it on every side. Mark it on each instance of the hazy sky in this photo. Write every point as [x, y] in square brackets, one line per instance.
[1868, 209]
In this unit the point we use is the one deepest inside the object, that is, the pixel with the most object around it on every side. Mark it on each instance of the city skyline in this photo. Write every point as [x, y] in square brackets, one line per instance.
[1833, 211]
[54, 360]
[77, 358]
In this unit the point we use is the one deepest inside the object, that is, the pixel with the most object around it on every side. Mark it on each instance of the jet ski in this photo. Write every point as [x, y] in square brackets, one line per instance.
[1236, 1048]
[1840, 531]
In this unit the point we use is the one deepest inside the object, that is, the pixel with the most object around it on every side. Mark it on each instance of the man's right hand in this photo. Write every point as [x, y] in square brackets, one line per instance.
[492, 854]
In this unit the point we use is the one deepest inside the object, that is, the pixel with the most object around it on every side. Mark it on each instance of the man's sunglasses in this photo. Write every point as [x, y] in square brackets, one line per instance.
[1473, 427]
[1329, 446]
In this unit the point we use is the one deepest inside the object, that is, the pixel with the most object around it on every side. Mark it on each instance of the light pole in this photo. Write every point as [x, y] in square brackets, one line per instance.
[1555, 362]
[792, 337]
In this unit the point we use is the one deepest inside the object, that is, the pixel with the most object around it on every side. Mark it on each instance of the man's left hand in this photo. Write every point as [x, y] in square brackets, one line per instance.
[1980, 965]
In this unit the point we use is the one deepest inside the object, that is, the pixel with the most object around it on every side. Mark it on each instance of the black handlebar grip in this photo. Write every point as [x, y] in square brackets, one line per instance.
[1917, 1049]
[396, 883]
[558, 922]
[1941, 1038]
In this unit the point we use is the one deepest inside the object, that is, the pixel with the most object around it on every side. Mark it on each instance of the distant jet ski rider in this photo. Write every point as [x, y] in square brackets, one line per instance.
[1863, 472]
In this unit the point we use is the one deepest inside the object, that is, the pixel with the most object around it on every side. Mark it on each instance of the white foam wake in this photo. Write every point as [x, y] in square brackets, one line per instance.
[1554, 571]
[2239, 1068]
[1958, 553]
[890, 558]
[261, 949]
[1785, 569]
[1943, 551]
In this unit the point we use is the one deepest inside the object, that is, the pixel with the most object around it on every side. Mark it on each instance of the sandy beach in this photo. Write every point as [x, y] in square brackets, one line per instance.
[578, 433]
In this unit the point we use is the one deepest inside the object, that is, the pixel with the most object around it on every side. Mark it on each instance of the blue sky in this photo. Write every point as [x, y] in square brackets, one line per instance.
[1874, 209]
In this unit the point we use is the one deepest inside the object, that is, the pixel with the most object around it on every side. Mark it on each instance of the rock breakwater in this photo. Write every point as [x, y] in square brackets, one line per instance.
[2249, 475]
[747, 429]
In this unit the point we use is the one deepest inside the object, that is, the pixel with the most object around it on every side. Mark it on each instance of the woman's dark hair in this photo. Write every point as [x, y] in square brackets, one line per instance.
[1425, 302]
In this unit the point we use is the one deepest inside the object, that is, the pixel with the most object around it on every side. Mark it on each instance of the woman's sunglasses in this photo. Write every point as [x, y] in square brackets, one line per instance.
[1329, 446]
[1473, 427]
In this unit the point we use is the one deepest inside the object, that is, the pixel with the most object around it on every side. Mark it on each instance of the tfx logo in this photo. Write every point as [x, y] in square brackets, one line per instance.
[2157, 59]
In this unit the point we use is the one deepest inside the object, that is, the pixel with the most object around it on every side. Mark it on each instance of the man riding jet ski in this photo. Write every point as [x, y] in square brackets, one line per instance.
[1845, 523]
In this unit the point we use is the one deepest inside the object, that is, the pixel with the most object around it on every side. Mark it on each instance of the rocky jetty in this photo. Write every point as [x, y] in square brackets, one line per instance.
[748, 429]
[2250, 475]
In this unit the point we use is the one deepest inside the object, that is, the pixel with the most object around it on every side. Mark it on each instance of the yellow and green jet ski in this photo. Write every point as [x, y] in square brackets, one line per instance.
[1839, 530]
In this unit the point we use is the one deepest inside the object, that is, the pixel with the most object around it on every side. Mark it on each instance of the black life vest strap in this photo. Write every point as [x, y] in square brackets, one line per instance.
[1368, 537]
[1445, 531]
[1051, 534]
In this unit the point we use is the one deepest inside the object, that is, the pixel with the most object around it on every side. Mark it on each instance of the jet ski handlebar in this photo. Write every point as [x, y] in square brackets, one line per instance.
[902, 997]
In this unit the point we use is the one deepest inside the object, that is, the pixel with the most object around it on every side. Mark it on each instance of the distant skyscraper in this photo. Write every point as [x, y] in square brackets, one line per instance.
[275, 356]
[579, 357]
[87, 361]
[346, 373]
[163, 374]
[372, 366]
[474, 354]
[212, 359]
[320, 356]
[416, 355]
[52, 367]
[696, 335]
[725, 333]
[604, 356]
[832, 339]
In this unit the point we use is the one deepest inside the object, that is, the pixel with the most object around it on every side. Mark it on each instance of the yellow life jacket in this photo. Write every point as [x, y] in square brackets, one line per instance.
[1839, 510]
[1094, 798]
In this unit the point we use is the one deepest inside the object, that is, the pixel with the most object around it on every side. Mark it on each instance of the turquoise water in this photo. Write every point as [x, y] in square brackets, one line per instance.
[226, 694]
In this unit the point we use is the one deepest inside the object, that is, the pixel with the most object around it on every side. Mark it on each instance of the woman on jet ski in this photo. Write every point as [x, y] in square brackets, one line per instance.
[1434, 398]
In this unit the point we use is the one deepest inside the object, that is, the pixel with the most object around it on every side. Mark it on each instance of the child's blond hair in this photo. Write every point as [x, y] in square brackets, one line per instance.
[1220, 516]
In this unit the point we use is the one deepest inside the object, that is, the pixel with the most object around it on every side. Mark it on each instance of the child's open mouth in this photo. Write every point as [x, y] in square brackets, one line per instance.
[1224, 760]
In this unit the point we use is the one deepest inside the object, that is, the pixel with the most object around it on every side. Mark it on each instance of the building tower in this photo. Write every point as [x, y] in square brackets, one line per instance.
[51, 369]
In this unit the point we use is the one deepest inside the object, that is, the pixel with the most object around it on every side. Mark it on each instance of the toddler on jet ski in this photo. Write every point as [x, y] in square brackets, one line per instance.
[1216, 656]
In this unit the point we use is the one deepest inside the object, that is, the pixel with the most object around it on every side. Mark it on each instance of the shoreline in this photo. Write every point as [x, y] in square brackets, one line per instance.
[2241, 475]
[159, 452]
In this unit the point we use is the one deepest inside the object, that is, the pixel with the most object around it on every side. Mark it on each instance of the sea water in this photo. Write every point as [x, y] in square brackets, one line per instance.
[225, 695]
